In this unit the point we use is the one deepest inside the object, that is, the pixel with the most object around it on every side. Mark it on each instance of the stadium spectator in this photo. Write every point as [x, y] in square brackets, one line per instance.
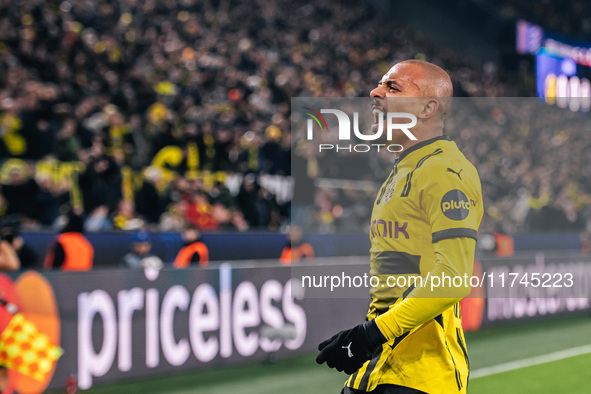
[19, 191]
[67, 141]
[36, 128]
[135, 144]
[174, 218]
[70, 251]
[238, 221]
[126, 218]
[223, 149]
[219, 194]
[248, 160]
[200, 212]
[257, 203]
[274, 158]
[165, 137]
[229, 219]
[194, 251]
[296, 249]
[100, 185]
[140, 256]
[49, 199]
[148, 201]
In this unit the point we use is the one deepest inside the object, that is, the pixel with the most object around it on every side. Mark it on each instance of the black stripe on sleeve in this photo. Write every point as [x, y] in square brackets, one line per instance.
[398, 340]
[453, 233]
[407, 291]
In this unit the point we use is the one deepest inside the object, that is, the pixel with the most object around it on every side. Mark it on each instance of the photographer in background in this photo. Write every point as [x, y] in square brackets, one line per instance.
[10, 232]
[9, 260]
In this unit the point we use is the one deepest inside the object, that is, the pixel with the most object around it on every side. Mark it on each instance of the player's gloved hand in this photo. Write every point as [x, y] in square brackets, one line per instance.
[349, 349]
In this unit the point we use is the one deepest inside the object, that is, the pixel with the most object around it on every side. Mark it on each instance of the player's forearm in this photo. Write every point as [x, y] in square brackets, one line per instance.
[455, 257]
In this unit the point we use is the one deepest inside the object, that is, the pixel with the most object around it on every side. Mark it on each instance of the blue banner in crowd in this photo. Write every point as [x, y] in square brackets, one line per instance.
[111, 247]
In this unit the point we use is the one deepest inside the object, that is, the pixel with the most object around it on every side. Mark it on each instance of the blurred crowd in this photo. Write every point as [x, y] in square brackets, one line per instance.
[531, 157]
[570, 18]
[177, 110]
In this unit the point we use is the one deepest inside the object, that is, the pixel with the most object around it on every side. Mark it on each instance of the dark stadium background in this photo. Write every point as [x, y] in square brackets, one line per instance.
[156, 114]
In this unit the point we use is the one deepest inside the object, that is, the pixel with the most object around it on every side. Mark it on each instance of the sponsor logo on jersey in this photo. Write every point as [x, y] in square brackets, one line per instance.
[455, 205]
[382, 228]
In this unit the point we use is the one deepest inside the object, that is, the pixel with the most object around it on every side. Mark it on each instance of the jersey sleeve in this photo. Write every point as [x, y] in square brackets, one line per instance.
[452, 200]
[455, 258]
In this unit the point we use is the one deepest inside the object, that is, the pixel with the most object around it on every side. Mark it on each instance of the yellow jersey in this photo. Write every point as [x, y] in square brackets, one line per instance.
[428, 210]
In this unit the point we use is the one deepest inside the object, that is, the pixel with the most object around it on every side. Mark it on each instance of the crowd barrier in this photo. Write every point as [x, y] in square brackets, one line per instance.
[111, 247]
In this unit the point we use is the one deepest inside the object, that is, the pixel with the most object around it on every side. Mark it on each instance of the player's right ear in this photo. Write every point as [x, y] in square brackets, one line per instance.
[429, 109]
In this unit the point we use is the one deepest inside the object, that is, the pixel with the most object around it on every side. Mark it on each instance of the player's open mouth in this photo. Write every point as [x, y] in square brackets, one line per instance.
[377, 113]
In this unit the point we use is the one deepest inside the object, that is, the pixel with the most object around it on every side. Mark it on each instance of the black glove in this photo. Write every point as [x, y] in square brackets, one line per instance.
[349, 349]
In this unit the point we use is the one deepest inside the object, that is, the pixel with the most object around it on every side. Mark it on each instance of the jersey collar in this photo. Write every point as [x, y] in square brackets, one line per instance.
[421, 145]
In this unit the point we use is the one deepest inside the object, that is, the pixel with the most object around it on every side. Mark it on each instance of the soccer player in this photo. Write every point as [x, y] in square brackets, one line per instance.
[424, 223]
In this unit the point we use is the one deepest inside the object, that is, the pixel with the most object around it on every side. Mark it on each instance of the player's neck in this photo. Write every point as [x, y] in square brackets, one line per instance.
[423, 134]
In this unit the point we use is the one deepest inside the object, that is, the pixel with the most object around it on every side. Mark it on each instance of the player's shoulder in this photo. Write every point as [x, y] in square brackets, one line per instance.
[450, 166]
[452, 155]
